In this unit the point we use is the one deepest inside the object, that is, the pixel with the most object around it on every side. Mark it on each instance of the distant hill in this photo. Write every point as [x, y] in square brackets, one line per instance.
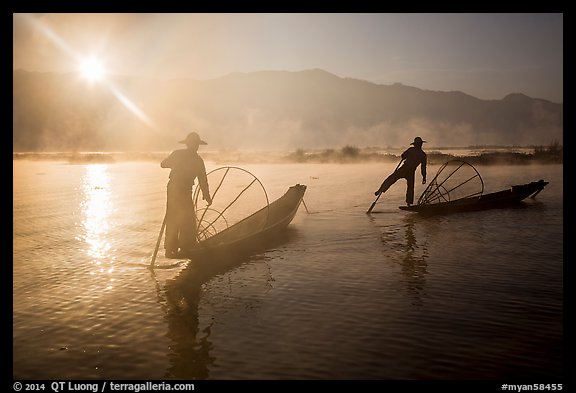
[267, 110]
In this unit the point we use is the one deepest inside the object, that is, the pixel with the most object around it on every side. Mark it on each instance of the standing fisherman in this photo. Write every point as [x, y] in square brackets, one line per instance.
[412, 157]
[186, 165]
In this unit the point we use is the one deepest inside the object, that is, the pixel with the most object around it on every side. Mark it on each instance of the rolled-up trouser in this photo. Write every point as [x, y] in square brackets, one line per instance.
[401, 173]
[180, 218]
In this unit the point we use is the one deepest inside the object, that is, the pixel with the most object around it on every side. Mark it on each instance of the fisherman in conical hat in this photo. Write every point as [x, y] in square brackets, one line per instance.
[412, 157]
[186, 166]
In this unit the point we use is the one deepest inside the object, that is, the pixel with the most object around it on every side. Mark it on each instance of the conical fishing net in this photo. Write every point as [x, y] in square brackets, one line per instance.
[236, 195]
[456, 179]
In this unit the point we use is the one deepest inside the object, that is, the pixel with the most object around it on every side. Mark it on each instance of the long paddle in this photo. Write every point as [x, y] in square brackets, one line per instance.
[374, 203]
[158, 242]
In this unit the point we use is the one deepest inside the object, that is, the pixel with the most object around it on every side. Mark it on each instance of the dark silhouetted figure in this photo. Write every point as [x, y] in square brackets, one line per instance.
[412, 157]
[181, 227]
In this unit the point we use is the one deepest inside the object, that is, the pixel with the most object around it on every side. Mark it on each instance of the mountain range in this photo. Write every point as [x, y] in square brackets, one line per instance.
[265, 110]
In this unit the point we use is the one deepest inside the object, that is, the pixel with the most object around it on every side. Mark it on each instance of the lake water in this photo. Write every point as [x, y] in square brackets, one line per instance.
[346, 295]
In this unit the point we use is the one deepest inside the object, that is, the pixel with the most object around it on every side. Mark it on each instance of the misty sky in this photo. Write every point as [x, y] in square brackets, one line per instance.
[484, 55]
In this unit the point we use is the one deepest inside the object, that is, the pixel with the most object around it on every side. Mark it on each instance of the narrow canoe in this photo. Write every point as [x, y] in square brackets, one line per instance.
[495, 200]
[249, 234]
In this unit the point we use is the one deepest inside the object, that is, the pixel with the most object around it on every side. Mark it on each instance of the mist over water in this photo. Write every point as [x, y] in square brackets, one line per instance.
[343, 296]
[281, 110]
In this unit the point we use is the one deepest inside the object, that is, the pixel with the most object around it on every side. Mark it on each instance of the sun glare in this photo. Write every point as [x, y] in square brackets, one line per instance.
[92, 69]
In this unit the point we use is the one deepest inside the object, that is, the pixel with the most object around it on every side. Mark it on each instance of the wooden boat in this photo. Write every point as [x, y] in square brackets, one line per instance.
[501, 199]
[249, 234]
[458, 187]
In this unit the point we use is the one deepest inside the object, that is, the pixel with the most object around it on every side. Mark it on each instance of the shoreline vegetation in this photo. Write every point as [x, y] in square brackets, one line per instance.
[475, 155]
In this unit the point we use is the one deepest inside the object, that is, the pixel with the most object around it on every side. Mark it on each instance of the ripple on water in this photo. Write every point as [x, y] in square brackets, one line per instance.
[347, 296]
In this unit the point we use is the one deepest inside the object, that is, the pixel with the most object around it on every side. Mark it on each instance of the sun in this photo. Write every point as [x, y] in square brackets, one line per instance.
[92, 69]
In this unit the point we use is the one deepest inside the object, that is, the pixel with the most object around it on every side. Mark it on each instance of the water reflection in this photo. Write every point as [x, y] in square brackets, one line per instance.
[190, 349]
[96, 211]
[402, 246]
[190, 346]
[414, 265]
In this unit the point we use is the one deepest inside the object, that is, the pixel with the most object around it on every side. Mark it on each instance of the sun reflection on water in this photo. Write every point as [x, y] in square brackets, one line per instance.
[97, 207]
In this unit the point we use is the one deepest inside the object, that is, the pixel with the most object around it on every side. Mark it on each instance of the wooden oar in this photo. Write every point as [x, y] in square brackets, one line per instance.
[374, 203]
[158, 242]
